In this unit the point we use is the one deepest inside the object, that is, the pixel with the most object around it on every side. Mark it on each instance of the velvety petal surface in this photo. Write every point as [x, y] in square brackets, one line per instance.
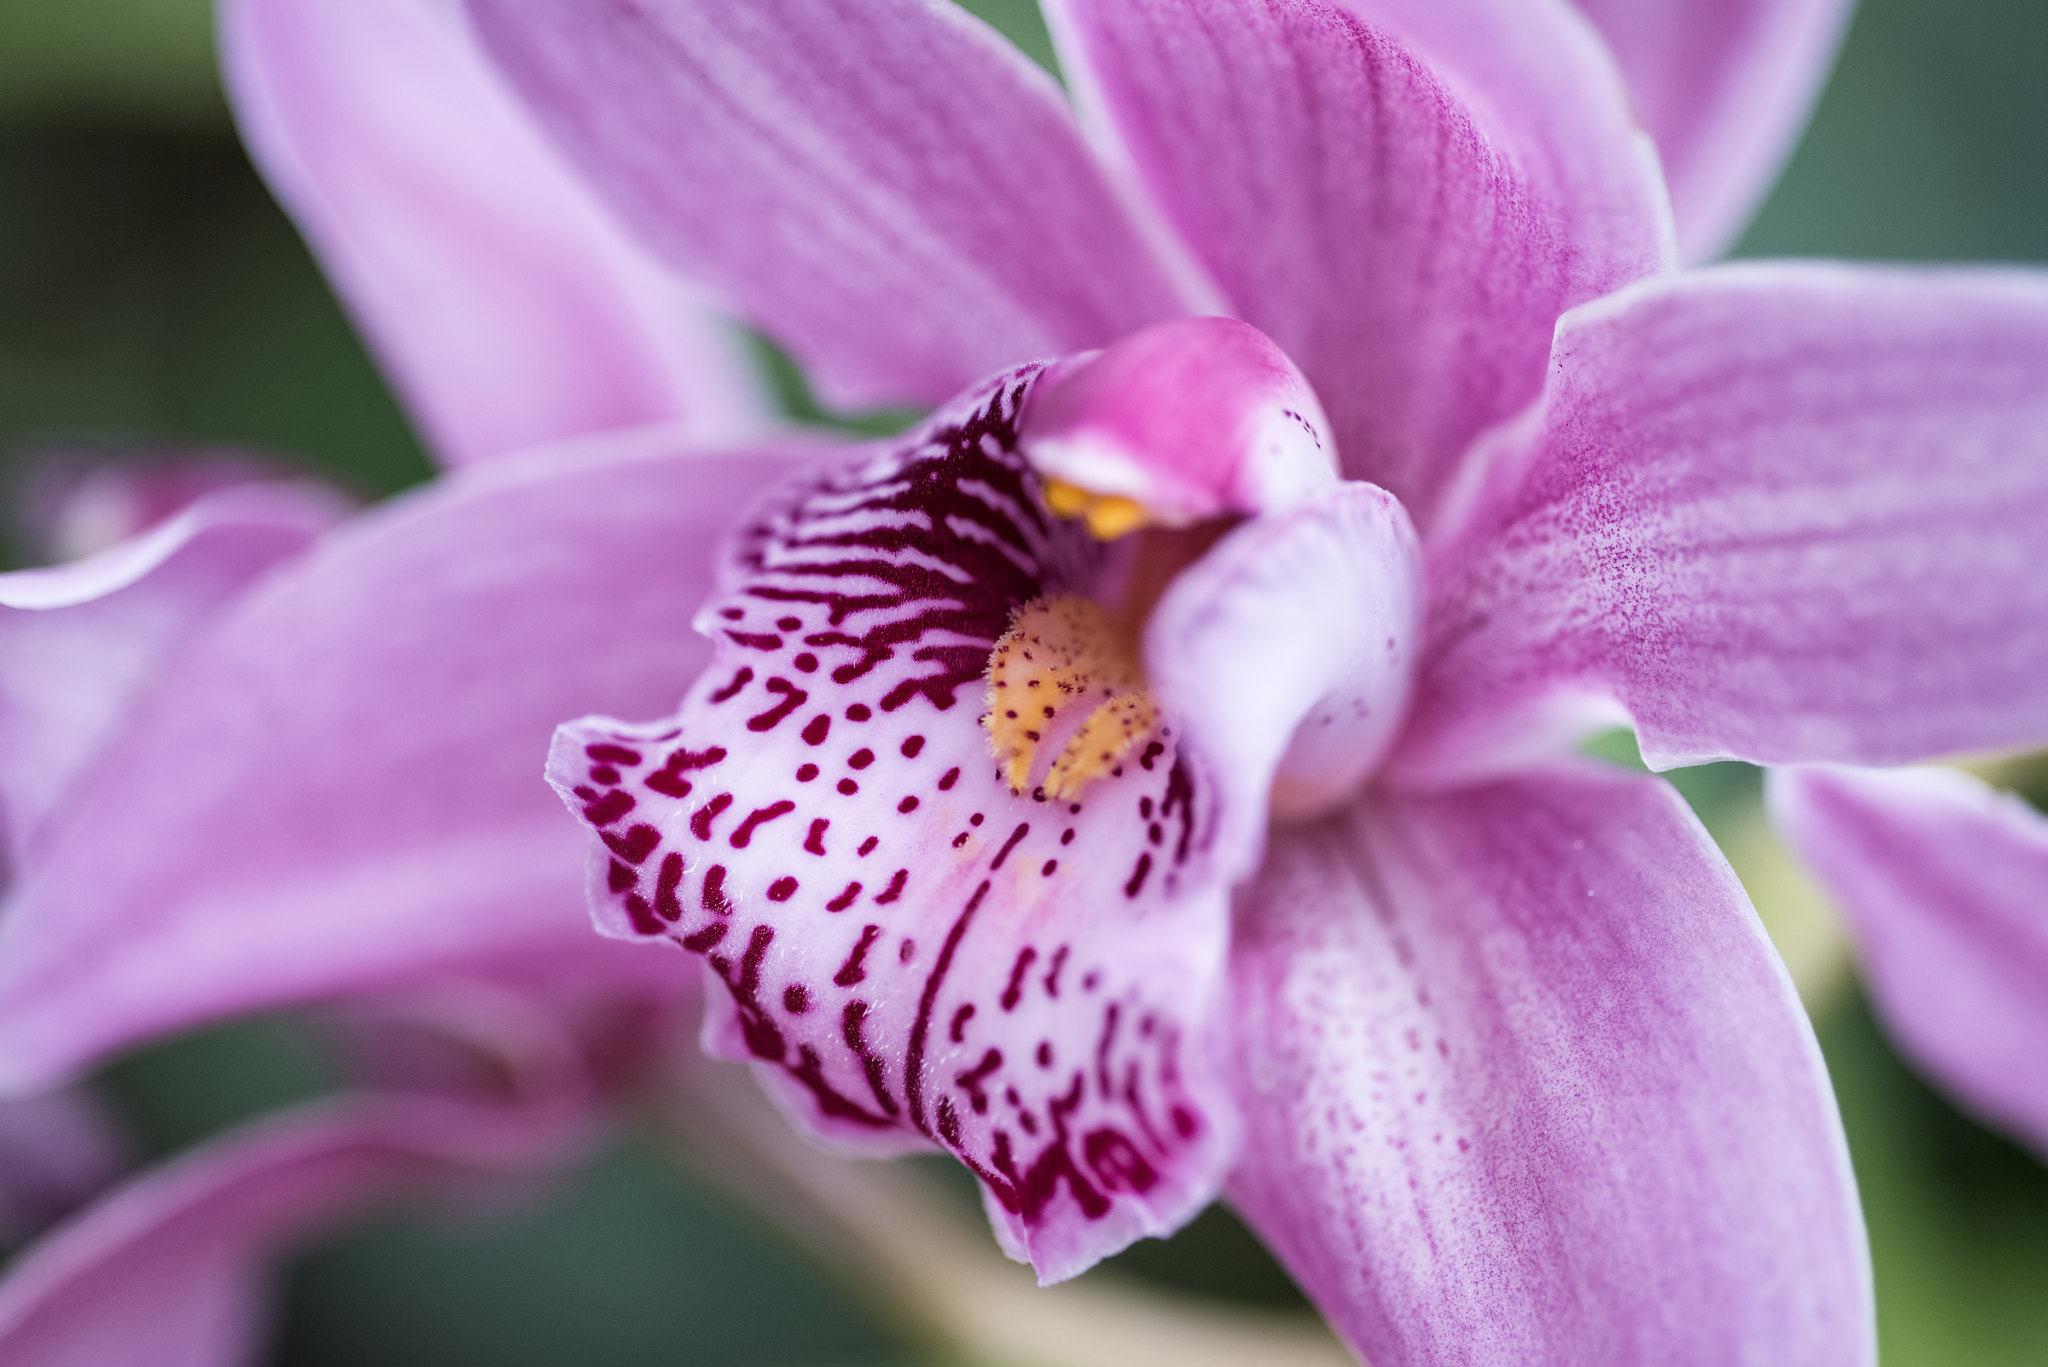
[1724, 86]
[1404, 196]
[885, 186]
[1780, 512]
[80, 642]
[1524, 1082]
[169, 1269]
[921, 944]
[1945, 883]
[339, 786]
[505, 305]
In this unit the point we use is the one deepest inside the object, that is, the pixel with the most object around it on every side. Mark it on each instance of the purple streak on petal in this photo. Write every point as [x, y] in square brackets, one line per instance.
[1287, 652]
[911, 953]
[337, 790]
[1525, 1082]
[505, 305]
[168, 1270]
[1195, 419]
[1783, 513]
[1945, 883]
[80, 642]
[1724, 86]
[1403, 200]
[885, 186]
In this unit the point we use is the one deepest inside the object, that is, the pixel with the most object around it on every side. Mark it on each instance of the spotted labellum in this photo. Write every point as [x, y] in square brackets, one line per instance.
[937, 818]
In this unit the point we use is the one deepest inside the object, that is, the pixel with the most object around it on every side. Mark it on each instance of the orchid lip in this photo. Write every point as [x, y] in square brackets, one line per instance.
[960, 864]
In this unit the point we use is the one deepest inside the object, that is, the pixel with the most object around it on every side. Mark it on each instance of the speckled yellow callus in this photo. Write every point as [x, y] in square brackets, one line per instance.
[1065, 656]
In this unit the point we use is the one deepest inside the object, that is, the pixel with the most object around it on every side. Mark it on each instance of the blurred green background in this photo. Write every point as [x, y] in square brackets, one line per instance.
[150, 293]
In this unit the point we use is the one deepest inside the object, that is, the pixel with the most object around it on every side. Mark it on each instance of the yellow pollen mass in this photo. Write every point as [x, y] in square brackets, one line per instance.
[1064, 657]
[1108, 516]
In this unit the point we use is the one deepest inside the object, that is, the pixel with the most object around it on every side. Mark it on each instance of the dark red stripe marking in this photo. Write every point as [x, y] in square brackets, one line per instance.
[1023, 829]
[913, 1071]
[854, 970]
[666, 904]
[713, 896]
[700, 821]
[635, 845]
[1015, 991]
[792, 698]
[744, 836]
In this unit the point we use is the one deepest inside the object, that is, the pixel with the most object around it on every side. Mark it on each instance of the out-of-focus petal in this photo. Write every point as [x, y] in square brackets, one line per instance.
[339, 786]
[76, 503]
[1404, 199]
[168, 1270]
[1782, 513]
[505, 305]
[1945, 883]
[80, 642]
[1724, 86]
[1524, 1082]
[885, 186]
[57, 1151]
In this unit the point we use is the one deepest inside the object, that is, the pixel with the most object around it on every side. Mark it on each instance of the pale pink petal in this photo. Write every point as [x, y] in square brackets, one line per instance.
[1724, 86]
[168, 1271]
[506, 307]
[1193, 419]
[80, 642]
[1525, 1082]
[885, 186]
[1404, 195]
[339, 787]
[1945, 884]
[1781, 512]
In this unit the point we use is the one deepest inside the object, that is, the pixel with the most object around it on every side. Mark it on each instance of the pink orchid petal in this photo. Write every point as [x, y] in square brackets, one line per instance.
[1944, 881]
[911, 953]
[57, 1151]
[168, 1269]
[79, 503]
[1781, 512]
[1724, 86]
[338, 787]
[885, 186]
[1525, 1082]
[1404, 195]
[1194, 419]
[80, 642]
[1287, 652]
[505, 305]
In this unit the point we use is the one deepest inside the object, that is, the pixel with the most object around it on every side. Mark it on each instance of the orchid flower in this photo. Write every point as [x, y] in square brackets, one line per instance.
[1326, 425]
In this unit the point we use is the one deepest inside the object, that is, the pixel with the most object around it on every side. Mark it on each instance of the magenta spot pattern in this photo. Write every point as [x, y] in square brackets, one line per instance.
[921, 957]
